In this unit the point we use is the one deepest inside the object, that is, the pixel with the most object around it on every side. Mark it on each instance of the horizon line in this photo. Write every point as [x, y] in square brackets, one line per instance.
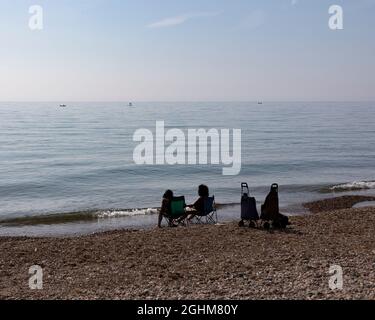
[176, 101]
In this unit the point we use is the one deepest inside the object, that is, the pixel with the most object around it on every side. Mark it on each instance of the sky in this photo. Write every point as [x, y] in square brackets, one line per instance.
[191, 50]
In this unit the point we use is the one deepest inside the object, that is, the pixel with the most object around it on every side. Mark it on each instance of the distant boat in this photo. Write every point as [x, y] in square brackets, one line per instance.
[260, 102]
[130, 104]
[62, 105]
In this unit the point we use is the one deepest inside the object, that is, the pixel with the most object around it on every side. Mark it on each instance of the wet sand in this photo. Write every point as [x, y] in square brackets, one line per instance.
[203, 262]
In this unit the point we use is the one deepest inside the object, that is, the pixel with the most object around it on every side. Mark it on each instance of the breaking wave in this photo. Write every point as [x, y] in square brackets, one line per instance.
[352, 186]
[126, 213]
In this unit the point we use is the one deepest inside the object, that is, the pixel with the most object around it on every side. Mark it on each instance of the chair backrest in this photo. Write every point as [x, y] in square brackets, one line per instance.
[209, 205]
[177, 207]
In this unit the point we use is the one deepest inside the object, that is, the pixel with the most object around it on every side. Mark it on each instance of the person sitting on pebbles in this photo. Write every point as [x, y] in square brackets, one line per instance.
[165, 206]
[198, 206]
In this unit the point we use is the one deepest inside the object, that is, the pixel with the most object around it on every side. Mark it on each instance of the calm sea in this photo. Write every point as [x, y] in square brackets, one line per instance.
[75, 164]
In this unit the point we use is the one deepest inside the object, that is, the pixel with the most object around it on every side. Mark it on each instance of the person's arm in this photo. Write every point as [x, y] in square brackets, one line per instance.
[164, 206]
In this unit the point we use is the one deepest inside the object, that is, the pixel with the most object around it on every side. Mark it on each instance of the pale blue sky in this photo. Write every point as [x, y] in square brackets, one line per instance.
[196, 50]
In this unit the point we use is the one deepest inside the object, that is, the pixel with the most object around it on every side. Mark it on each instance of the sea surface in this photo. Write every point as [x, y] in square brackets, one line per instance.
[71, 171]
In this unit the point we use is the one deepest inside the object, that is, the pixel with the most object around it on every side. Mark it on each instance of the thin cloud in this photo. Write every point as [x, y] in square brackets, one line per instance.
[294, 2]
[174, 21]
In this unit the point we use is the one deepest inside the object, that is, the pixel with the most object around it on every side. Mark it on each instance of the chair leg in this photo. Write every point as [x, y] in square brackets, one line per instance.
[212, 219]
[170, 222]
[209, 219]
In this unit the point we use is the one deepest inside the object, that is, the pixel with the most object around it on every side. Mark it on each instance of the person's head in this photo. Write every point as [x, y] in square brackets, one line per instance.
[168, 194]
[203, 191]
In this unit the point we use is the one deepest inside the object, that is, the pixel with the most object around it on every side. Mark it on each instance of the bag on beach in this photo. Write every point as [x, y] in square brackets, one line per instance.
[249, 210]
[270, 208]
[281, 222]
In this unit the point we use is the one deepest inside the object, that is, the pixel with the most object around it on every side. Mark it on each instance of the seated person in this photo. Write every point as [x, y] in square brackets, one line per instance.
[270, 209]
[198, 206]
[165, 206]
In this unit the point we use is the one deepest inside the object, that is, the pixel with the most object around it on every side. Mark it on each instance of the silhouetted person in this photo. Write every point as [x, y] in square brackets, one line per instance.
[165, 206]
[198, 206]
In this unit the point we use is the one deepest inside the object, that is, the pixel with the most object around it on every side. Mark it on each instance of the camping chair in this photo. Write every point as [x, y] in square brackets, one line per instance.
[249, 212]
[177, 211]
[209, 215]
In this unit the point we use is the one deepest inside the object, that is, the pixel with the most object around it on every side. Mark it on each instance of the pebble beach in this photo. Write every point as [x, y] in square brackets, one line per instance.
[203, 262]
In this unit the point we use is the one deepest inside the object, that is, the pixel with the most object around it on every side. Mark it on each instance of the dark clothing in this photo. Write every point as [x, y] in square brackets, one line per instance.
[165, 210]
[199, 205]
[165, 207]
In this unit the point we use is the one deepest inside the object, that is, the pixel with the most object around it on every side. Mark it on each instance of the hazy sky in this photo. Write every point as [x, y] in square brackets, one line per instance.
[195, 50]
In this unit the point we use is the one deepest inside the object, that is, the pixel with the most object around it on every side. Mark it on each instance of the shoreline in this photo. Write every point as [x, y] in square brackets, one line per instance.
[84, 223]
[200, 262]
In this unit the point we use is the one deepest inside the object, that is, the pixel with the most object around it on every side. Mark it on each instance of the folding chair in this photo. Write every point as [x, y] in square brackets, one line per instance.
[209, 215]
[177, 211]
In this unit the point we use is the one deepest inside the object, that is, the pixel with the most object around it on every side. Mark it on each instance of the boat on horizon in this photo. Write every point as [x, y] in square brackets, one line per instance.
[62, 105]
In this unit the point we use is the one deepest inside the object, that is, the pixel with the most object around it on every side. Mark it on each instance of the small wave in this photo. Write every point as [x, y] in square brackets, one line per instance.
[143, 211]
[126, 213]
[352, 186]
[364, 204]
[49, 219]
[84, 216]
[69, 217]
